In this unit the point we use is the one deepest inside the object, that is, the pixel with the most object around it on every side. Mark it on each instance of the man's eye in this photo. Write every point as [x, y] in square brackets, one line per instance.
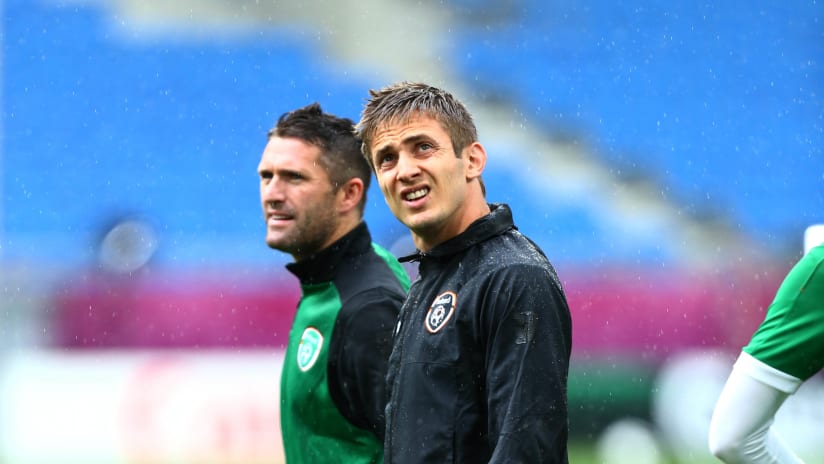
[425, 146]
[386, 159]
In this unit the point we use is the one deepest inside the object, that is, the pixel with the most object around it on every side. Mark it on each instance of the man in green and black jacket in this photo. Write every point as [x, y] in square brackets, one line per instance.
[313, 183]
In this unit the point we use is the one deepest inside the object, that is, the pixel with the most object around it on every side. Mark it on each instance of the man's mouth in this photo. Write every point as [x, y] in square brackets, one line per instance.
[279, 217]
[414, 195]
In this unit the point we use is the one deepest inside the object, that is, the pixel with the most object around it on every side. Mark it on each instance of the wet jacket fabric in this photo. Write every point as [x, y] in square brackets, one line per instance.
[333, 379]
[480, 358]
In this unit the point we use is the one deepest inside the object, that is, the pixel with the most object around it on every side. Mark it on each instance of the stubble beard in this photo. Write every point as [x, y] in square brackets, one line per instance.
[306, 237]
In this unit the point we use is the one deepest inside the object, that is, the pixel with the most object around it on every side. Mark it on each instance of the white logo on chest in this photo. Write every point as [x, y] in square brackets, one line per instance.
[309, 348]
[441, 311]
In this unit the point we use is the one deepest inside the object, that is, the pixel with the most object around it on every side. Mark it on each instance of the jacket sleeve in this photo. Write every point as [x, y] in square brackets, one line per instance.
[528, 329]
[363, 344]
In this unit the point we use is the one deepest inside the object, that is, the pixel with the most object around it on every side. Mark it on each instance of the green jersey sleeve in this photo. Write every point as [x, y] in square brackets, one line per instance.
[791, 337]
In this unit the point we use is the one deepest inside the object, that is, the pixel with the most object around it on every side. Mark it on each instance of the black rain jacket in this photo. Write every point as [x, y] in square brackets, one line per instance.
[480, 357]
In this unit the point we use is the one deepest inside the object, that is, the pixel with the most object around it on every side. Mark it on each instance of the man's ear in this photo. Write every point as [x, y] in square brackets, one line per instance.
[475, 160]
[350, 194]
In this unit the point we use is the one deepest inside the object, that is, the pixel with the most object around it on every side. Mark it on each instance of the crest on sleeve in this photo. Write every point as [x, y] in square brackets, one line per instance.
[441, 311]
[309, 348]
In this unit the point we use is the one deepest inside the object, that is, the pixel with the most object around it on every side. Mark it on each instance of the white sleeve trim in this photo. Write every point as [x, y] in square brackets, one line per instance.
[766, 374]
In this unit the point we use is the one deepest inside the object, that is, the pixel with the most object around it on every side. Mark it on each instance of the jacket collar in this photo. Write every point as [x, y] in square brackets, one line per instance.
[323, 265]
[498, 221]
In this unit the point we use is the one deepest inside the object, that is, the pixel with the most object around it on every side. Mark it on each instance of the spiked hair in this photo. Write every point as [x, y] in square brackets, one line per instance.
[402, 101]
[336, 138]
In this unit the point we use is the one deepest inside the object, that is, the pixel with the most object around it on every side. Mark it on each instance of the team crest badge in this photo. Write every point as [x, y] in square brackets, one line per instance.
[309, 348]
[441, 311]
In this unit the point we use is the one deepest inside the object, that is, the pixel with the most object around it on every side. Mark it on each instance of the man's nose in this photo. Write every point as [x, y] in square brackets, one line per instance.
[407, 167]
[273, 191]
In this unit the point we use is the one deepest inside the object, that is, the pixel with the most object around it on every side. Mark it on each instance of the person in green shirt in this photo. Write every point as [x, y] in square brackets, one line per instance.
[313, 184]
[785, 351]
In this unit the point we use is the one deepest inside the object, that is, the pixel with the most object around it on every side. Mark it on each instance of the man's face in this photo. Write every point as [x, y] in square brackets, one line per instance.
[299, 205]
[424, 183]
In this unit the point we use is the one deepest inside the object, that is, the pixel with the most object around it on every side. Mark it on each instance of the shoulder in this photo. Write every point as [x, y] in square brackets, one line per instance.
[512, 256]
[809, 271]
[371, 274]
[513, 247]
[367, 319]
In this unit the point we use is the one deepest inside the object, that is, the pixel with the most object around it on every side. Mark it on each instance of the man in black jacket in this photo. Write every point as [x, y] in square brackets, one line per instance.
[480, 356]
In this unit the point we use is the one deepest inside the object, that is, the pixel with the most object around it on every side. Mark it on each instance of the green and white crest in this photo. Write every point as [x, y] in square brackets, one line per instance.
[309, 348]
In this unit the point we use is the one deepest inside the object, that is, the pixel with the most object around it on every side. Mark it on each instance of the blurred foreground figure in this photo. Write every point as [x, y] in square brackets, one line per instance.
[480, 357]
[785, 351]
[101, 306]
[313, 184]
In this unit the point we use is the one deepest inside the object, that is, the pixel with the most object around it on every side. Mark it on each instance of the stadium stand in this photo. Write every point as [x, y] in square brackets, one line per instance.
[97, 124]
[158, 126]
[719, 104]
[103, 120]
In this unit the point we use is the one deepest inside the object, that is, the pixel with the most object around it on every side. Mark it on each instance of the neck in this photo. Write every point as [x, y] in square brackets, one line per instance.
[346, 225]
[472, 210]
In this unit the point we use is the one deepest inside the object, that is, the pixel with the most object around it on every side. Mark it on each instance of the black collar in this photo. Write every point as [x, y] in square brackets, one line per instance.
[323, 265]
[498, 221]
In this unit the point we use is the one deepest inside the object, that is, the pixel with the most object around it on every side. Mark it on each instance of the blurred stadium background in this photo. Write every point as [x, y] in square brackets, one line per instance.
[667, 156]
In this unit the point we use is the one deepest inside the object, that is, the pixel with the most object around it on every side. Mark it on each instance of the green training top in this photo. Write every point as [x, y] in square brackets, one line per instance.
[333, 391]
[791, 337]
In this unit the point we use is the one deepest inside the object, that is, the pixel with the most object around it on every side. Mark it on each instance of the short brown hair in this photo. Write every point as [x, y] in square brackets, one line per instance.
[404, 100]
